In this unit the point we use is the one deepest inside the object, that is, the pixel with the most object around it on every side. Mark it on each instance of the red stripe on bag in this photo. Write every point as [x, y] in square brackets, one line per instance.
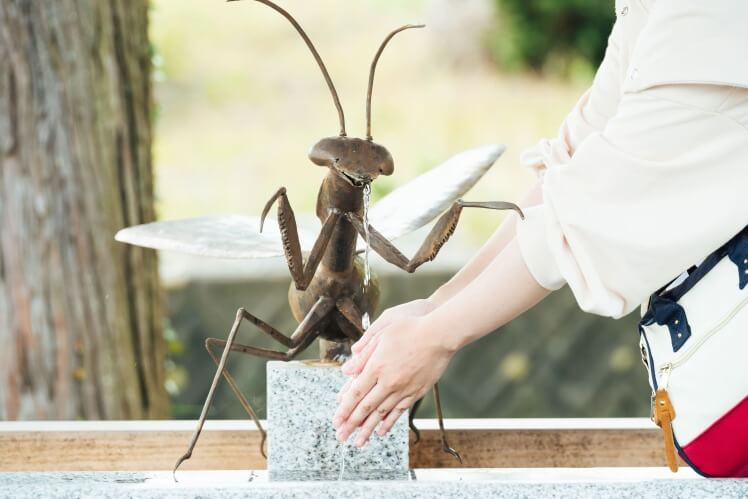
[722, 449]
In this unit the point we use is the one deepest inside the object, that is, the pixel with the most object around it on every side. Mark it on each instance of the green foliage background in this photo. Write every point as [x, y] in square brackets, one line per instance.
[566, 37]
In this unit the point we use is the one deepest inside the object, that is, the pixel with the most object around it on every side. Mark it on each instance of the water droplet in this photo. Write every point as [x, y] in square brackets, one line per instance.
[342, 461]
[365, 321]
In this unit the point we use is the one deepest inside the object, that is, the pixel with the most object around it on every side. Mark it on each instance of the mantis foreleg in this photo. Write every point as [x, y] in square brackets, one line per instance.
[439, 235]
[301, 272]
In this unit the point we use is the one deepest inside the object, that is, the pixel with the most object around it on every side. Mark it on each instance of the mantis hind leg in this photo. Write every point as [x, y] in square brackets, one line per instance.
[445, 444]
[443, 432]
[412, 417]
[350, 319]
[258, 352]
[304, 335]
[239, 395]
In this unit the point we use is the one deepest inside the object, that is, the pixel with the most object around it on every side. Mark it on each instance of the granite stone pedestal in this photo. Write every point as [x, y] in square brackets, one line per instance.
[301, 439]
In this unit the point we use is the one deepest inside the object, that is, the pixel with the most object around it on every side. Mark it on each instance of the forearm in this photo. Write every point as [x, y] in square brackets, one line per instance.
[501, 292]
[498, 241]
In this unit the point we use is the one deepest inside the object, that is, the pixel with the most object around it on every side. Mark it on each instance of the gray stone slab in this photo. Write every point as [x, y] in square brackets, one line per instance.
[453, 483]
[301, 438]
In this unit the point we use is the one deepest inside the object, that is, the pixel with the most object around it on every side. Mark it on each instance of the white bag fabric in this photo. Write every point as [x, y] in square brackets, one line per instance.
[694, 342]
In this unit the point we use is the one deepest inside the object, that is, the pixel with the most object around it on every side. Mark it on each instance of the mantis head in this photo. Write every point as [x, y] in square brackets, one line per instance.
[357, 160]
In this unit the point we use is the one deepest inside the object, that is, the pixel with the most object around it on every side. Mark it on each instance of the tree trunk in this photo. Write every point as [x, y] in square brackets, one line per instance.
[80, 315]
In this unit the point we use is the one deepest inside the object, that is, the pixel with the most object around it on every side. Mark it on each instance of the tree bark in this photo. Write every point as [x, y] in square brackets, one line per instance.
[80, 315]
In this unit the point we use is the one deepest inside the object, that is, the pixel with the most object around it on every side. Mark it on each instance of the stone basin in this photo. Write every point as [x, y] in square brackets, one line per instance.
[421, 483]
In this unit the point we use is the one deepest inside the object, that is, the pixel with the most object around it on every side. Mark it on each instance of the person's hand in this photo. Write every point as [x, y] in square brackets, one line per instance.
[404, 363]
[364, 346]
[405, 358]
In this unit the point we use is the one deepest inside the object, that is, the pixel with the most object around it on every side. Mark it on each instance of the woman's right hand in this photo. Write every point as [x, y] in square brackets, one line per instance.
[365, 345]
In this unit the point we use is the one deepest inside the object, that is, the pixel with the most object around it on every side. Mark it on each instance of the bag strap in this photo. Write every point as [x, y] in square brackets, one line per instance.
[736, 248]
[663, 307]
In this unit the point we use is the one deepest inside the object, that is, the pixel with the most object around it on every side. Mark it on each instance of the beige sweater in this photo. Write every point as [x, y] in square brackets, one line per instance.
[649, 171]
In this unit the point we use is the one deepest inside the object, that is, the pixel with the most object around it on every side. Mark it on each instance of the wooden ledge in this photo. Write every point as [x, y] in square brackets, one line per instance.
[233, 445]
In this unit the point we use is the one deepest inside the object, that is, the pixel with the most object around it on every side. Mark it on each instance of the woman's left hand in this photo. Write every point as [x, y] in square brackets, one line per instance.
[395, 371]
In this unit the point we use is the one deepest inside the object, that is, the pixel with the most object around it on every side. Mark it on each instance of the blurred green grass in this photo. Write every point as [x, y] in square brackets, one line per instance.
[240, 102]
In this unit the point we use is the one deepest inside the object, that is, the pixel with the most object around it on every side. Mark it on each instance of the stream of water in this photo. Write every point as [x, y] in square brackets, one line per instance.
[365, 320]
[342, 461]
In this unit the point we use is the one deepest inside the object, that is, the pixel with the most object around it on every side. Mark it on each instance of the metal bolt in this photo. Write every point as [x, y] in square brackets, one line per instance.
[677, 322]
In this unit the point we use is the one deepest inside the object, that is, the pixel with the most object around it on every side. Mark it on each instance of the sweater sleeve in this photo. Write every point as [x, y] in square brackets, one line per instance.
[636, 203]
[593, 110]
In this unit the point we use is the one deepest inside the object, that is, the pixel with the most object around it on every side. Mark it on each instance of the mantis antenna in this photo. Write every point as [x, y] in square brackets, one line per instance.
[373, 69]
[341, 116]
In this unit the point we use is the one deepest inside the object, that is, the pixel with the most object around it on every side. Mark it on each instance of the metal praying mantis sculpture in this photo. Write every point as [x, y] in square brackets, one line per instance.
[327, 295]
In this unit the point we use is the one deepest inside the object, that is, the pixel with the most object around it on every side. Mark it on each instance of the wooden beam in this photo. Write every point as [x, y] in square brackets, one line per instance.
[231, 445]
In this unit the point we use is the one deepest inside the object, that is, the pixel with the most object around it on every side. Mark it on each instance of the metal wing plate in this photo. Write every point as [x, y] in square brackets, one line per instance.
[228, 236]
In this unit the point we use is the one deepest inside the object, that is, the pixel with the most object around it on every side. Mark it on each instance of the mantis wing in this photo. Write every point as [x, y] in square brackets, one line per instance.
[229, 236]
[421, 200]
[402, 211]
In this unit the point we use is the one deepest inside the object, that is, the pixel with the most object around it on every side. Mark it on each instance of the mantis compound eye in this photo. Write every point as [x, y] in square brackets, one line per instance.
[387, 166]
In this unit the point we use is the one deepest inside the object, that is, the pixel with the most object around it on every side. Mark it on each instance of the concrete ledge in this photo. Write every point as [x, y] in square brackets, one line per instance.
[234, 445]
[460, 483]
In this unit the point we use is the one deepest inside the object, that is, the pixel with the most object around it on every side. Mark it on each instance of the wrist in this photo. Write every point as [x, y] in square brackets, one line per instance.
[441, 295]
[439, 337]
[428, 305]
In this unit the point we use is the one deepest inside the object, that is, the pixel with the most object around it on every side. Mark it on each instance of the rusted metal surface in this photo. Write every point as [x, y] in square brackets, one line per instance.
[327, 295]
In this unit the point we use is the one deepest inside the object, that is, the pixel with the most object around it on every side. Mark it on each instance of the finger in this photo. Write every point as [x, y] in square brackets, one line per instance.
[356, 364]
[359, 388]
[394, 415]
[364, 340]
[374, 418]
[368, 404]
[369, 334]
[362, 438]
[344, 389]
